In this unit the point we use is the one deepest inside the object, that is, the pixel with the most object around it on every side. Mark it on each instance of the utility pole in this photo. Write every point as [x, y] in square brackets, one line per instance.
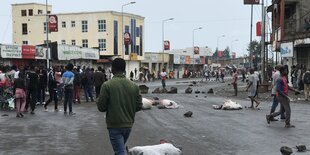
[47, 43]
[251, 33]
[263, 43]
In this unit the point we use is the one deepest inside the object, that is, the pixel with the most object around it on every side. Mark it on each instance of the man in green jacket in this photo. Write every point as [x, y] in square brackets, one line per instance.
[120, 98]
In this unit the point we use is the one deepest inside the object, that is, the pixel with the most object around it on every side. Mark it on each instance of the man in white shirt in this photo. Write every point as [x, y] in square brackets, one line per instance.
[163, 76]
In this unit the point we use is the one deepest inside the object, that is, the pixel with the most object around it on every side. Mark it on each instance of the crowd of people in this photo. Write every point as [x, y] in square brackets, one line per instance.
[28, 85]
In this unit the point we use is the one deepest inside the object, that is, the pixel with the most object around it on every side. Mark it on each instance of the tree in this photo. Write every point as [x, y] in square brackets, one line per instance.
[226, 53]
[255, 48]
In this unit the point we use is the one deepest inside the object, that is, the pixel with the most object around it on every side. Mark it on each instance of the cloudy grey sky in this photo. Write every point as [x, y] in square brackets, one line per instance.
[217, 17]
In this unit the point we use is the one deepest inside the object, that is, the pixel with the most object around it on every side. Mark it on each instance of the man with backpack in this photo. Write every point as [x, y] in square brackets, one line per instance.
[306, 79]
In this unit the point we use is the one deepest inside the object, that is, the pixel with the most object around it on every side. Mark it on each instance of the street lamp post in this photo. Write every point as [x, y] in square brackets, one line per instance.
[163, 38]
[47, 31]
[217, 47]
[231, 48]
[123, 48]
[199, 28]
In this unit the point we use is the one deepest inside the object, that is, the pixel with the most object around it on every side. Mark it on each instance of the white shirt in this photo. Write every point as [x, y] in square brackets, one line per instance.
[163, 75]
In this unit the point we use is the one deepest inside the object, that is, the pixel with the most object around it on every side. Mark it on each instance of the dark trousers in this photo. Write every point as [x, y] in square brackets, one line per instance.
[285, 102]
[163, 83]
[118, 139]
[68, 99]
[235, 88]
[88, 92]
[53, 96]
[97, 88]
[32, 94]
[41, 94]
[274, 106]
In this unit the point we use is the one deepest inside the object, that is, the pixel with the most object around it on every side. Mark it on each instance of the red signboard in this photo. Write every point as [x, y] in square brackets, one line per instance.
[28, 52]
[219, 54]
[251, 2]
[52, 23]
[166, 45]
[196, 50]
[233, 55]
[259, 29]
[126, 38]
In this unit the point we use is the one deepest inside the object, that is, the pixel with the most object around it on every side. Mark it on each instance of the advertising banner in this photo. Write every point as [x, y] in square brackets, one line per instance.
[220, 54]
[52, 23]
[259, 29]
[196, 50]
[182, 59]
[91, 54]
[11, 51]
[176, 59]
[187, 60]
[68, 52]
[126, 38]
[28, 52]
[246, 2]
[286, 50]
[202, 60]
[167, 45]
[40, 52]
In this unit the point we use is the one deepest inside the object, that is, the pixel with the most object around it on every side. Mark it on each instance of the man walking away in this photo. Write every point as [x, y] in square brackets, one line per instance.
[275, 103]
[52, 89]
[131, 75]
[87, 82]
[67, 79]
[163, 76]
[120, 98]
[252, 88]
[77, 85]
[234, 81]
[306, 80]
[33, 80]
[282, 94]
[99, 79]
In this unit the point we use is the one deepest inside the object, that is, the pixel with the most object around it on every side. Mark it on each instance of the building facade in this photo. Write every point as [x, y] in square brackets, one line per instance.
[102, 30]
[291, 30]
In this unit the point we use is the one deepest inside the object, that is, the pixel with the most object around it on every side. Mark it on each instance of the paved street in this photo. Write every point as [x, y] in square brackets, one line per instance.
[214, 132]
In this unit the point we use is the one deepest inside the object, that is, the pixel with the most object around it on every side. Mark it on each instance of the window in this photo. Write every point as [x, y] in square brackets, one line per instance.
[127, 28]
[30, 12]
[137, 32]
[115, 37]
[25, 42]
[101, 25]
[48, 12]
[63, 24]
[40, 12]
[85, 43]
[84, 26]
[73, 42]
[102, 44]
[72, 23]
[44, 27]
[63, 42]
[24, 12]
[24, 28]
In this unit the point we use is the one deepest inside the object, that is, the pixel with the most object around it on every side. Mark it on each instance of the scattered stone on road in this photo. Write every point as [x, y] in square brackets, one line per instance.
[301, 148]
[286, 150]
[188, 114]
[210, 91]
[173, 90]
[144, 89]
[188, 90]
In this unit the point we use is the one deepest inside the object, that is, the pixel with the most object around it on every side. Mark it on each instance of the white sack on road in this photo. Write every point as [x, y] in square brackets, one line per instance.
[147, 103]
[230, 105]
[169, 104]
[161, 149]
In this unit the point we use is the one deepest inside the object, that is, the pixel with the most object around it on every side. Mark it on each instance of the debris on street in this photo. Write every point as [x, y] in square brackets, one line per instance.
[160, 149]
[228, 105]
[188, 114]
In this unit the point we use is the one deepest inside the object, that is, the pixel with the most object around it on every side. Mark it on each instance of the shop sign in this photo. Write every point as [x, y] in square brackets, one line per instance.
[187, 60]
[40, 52]
[182, 59]
[28, 52]
[92, 54]
[286, 49]
[68, 52]
[126, 38]
[11, 51]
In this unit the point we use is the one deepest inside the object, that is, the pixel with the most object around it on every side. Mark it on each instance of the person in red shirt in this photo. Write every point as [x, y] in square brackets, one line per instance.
[282, 96]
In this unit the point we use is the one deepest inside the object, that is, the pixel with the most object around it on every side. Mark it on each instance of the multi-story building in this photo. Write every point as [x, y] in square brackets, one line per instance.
[102, 30]
[291, 30]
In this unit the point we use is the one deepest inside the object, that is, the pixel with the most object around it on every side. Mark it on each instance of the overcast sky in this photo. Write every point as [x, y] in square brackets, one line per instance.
[217, 17]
